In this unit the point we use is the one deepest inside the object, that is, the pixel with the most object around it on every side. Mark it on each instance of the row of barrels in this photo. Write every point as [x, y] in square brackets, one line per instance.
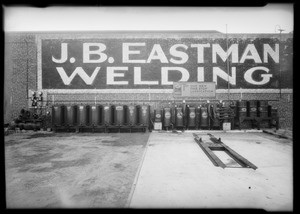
[255, 108]
[99, 115]
[206, 115]
[183, 117]
[123, 115]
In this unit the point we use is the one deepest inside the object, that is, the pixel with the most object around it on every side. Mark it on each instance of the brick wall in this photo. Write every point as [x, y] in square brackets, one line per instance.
[21, 77]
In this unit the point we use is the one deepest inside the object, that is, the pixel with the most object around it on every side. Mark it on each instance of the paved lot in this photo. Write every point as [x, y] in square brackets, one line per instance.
[58, 170]
[48, 170]
[176, 173]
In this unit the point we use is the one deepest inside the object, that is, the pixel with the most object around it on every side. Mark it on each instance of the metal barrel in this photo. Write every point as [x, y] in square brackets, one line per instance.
[119, 115]
[179, 117]
[95, 116]
[131, 115]
[157, 115]
[88, 112]
[107, 115]
[274, 111]
[82, 115]
[263, 108]
[203, 117]
[144, 112]
[64, 115]
[253, 108]
[242, 108]
[167, 117]
[191, 117]
[71, 115]
[57, 115]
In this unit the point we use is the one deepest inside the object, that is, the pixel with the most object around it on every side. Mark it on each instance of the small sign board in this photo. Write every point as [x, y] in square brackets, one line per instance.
[226, 126]
[194, 89]
[157, 126]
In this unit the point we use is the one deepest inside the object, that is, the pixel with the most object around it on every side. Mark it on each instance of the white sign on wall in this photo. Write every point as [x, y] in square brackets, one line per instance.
[194, 89]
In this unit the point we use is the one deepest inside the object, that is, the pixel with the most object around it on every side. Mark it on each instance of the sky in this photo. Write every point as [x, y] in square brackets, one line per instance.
[267, 19]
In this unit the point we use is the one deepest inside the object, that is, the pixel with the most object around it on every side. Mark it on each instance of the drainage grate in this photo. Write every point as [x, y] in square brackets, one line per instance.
[222, 155]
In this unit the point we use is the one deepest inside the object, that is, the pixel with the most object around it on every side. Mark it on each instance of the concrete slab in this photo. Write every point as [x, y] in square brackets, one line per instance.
[176, 173]
[71, 170]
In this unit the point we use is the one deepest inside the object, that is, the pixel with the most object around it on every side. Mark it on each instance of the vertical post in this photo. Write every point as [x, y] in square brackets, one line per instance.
[280, 55]
[26, 68]
[280, 47]
[228, 85]
[241, 93]
[149, 93]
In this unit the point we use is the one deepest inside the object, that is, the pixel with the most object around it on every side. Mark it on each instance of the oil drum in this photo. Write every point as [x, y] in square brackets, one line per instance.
[119, 115]
[179, 117]
[253, 108]
[144, 115]
[131, 115]
[203, 117]
[82, 115]
[167, 117]
[157, 115]
[57, 115]
[242, 108]
[263, 108]
[191, 117]
[95, 115]
[107, 115]
[274, 111]
[71, 113]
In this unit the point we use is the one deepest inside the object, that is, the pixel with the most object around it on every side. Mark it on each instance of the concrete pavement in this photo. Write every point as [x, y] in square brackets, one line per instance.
[176, 173]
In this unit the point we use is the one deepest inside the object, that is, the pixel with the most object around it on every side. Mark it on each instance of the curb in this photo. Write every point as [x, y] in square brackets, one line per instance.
[128, 202]
[278, 134]
[214, 131]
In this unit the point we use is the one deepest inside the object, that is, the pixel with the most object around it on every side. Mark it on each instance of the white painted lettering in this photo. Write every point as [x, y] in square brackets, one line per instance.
[217, 72]
[64, 54]
[165, 75]
[182, 55]
[80, 72]
[138, 78]
[265, 77]
[200, 51]
[157, 53]
[200, 74]
[126, 52]
[87, 52]
[274, 54]
[253, 54]
[218, 50]
[110, 75]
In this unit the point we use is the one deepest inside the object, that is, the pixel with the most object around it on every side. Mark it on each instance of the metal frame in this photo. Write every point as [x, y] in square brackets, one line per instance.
[218, 145]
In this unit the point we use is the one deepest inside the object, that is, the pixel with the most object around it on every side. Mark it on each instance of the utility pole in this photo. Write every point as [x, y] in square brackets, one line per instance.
[228, 85]
[280, 55]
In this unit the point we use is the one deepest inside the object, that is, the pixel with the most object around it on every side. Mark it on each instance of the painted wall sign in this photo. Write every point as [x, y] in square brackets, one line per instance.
[187, 89]
[158, 62]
